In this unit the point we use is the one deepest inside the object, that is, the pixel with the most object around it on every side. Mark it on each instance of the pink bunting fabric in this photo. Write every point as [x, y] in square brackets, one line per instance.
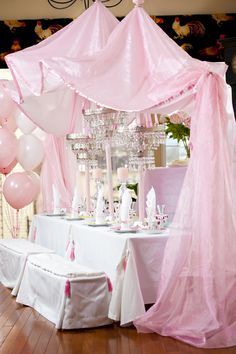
[196, 300]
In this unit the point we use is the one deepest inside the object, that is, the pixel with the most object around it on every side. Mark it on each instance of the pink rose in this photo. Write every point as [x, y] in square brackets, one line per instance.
[175, 119]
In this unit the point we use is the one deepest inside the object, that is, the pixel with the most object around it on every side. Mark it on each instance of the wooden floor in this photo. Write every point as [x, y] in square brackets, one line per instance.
[22, 330]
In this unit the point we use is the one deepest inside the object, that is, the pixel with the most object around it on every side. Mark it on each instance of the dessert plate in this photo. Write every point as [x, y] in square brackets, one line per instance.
[128, 231]
[93, 224]
[59, 214]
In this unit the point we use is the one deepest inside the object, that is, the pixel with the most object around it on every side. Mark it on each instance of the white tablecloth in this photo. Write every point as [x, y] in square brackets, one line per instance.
[131, 261]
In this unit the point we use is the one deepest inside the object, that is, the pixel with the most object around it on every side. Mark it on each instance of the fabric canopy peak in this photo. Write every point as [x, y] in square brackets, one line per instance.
[139, 67]
[138, 2]
[85, 35]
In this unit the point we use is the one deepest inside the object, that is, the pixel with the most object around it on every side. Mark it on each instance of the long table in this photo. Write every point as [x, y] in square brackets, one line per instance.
[131, 261]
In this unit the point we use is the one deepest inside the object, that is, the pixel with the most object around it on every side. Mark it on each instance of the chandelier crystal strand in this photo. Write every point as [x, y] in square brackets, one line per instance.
[106, 127]
[85, 149]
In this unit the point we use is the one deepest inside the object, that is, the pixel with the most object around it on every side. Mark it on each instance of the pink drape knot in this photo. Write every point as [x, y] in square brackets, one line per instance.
[138, 2]
[67, 288]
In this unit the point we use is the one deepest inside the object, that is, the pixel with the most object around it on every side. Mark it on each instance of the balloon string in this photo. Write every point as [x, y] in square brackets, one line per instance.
[9, 218]
[17, 228]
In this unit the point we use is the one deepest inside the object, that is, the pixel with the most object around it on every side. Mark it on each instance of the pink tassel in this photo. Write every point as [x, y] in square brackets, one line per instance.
[35, 232]
[124, 264]
[72, 252]
[109, 284]
[67, 289]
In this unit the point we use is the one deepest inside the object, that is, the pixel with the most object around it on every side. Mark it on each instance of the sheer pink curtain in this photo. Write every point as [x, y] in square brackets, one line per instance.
[56, 170]
[59, 166]
[196, 302]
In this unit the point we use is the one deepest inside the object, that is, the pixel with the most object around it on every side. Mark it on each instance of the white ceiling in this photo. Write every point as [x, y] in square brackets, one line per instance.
[15, 9]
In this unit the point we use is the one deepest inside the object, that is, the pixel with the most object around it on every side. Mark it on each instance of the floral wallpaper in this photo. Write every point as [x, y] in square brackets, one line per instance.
[199, 35]
[18, 34]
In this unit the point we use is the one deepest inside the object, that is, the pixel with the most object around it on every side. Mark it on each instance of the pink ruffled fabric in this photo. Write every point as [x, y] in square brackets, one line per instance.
[196, 301]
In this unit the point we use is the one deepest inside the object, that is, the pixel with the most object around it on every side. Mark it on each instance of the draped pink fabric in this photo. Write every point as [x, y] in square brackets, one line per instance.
[56, 170]
[58, 112]
[59, 167]
[84, 36]
[196, 300]
[139, 67]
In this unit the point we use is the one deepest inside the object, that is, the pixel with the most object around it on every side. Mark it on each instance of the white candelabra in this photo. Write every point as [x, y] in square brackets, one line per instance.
[85, 150]
[142, 142]
[104, 125]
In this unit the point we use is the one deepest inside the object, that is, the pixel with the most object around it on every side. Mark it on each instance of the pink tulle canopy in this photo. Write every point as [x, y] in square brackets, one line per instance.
[84, 36]
[141, 68]
[59, 111]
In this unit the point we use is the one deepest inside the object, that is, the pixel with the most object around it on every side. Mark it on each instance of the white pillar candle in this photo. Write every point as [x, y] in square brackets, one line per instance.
[122, 174]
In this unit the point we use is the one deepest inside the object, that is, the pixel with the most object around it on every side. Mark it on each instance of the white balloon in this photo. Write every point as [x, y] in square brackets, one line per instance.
[30, 152]
[24, 123]
[6, 103]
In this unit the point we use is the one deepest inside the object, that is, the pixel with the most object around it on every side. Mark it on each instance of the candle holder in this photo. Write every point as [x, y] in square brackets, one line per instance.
[122, 175]
[97, 175]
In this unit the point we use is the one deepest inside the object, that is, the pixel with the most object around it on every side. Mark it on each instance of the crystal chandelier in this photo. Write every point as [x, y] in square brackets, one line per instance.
[84, 147]
[142, 142]
[106, 124]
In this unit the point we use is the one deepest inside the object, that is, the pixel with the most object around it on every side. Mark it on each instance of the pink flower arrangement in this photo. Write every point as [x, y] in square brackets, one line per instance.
[178, 127]
[180, 118]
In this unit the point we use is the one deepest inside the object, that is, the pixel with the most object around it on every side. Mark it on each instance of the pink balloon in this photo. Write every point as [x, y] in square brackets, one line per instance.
[7, 105]
[30, 152]
[35, 179]
[9, 168]
[19, 189]
[9, 123]
[8, 147]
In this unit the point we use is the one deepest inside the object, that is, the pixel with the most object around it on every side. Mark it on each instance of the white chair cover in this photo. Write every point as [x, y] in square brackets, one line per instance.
[66, 293]
[13, 256]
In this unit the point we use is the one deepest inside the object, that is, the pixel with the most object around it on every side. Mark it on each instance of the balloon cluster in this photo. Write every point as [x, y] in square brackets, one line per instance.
[20, 188]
